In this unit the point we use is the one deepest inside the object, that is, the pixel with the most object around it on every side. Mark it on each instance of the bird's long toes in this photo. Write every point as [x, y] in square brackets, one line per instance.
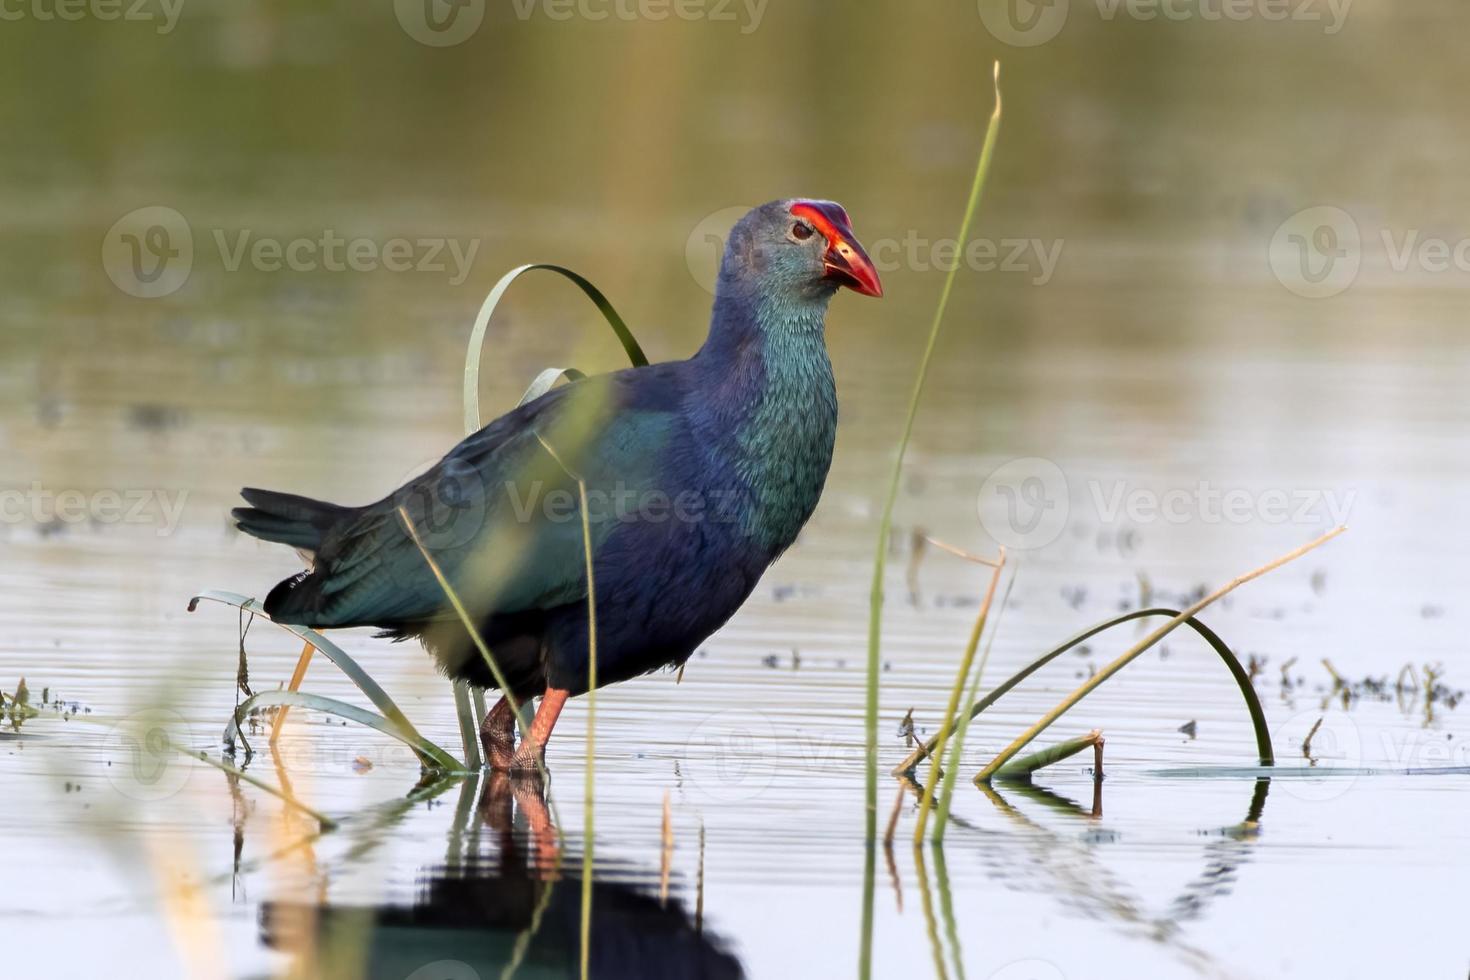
[529, 757]
[499, 755]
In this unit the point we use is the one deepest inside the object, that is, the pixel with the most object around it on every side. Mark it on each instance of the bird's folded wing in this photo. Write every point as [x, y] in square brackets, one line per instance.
[499, 515]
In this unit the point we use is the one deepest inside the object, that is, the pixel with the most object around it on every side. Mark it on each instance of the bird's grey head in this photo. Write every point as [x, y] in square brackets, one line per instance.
[796, 250]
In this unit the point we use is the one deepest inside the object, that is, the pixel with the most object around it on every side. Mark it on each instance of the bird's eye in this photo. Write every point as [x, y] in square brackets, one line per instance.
[801, 232]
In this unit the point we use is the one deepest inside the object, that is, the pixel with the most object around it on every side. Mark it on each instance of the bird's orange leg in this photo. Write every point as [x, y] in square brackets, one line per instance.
[533, 748]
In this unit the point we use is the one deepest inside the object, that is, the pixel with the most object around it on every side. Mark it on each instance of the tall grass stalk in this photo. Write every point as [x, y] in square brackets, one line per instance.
[469, 724]
[587, 788]
[589, 781]
[1122, 661]
[957, 744]
[961, 677]
[885, 524]
[474, 632]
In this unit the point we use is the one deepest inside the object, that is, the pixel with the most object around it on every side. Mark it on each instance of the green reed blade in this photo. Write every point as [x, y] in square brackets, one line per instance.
[348, 666]
[421, 746]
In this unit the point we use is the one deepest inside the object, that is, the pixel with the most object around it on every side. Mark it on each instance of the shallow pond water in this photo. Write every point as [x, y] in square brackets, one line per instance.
[1203, 417]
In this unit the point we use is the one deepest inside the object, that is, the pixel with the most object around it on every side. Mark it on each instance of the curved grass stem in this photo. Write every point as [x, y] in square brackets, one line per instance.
[1237, 671]
[1067, 703]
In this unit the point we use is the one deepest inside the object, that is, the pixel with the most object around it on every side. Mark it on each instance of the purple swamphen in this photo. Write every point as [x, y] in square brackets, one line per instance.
[697, 474]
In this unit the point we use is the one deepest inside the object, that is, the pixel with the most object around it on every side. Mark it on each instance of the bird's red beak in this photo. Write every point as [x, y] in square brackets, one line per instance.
[846, 261]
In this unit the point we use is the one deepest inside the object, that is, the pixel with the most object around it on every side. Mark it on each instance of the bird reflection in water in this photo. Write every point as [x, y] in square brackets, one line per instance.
[514, 909]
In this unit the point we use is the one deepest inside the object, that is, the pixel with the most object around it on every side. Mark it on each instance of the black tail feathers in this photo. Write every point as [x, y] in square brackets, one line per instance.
[287, 518]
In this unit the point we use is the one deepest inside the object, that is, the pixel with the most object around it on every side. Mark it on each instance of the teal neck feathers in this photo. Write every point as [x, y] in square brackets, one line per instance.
[768, 380]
